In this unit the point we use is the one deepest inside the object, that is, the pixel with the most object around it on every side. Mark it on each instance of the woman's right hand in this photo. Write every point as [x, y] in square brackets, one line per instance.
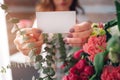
[30, 39]
[79, 34]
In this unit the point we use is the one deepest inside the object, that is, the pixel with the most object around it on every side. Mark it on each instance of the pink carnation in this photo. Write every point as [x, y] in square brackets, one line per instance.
[111, 73]
[96, 44]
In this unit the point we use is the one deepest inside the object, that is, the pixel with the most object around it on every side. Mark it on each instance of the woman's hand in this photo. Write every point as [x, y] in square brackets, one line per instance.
[79, 34]
[31, 38]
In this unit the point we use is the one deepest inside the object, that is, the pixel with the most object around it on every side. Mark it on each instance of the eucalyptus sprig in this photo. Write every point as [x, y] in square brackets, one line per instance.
[4, 7]
[3, 69]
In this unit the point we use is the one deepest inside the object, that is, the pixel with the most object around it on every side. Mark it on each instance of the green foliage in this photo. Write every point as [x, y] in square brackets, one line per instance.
[113, 46]
[108, 25]
[62, 49]
[38, 58]
[4, 7]
[117, 4]
[14, 20]
[99, 64]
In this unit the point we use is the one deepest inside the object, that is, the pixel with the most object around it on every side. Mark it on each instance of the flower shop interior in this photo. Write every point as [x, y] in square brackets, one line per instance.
[21, 69]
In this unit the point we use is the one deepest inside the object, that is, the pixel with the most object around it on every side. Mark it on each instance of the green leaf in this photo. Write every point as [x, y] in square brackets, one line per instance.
[114, 44]
[99, 64]
[117, 4]
[51, 72]
[46, 70]
[3, 70]
[49, 57]
[14, 20]
[37, 65]
[48, 78]
[48, 63]
[93, 77]
[40, 78]
[108, 25]
[38, 58]
[4, 6]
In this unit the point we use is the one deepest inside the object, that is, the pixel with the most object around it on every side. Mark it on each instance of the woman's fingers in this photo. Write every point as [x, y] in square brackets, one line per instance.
[34, 32]
[75, 45]
[74, 40]
[79, 34]
[81, 27]
[83, 34]
[30, 39]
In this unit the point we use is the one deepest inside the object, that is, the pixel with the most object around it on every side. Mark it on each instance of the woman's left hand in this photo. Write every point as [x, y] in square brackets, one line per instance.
[79, 34]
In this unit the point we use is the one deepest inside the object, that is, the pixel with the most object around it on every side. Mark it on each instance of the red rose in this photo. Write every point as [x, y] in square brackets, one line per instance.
[74, 70]
[73, 76]
[83, 76]
[81, 64]
[77, 54]
[89, 70]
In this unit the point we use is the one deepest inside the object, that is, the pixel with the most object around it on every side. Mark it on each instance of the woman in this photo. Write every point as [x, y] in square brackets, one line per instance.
[34, 35]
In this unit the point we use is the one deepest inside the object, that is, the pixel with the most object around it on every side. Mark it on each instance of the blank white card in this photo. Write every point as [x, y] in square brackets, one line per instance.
[56, 22]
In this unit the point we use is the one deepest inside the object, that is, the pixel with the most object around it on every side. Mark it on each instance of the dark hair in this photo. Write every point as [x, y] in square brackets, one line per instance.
[48, 5]
[75, 4]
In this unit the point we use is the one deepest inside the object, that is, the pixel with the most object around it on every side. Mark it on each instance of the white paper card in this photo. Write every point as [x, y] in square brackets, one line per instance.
[56, 22]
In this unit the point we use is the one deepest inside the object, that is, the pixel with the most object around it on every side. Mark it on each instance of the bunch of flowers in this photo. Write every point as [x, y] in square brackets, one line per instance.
[98, 59]
[80, 71]
[97, 41]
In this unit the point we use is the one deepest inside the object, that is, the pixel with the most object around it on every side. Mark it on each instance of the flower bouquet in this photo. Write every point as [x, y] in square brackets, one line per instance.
[99, 58]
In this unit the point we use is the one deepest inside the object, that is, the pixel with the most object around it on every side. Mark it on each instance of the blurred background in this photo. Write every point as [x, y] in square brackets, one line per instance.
[95, 11]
